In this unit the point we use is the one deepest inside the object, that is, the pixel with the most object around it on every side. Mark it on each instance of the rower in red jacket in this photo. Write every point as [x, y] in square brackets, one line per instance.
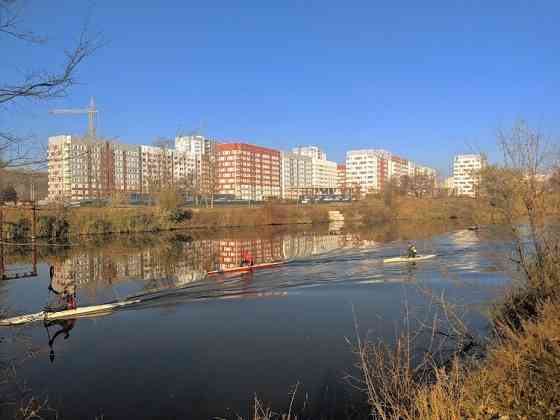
[247, 259]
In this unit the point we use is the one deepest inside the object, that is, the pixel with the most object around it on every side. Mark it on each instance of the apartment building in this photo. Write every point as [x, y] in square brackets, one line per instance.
[426, 171]
[194, 144]
[85, 168]
[399, 167]
[248, 172]
[465, 174]
[127, 168]
[186, 169]
[323, 172]
[370, 169]
[341, 179]
[311, 151]
[323, 176]
[297, 175]
[367, 170]
[194, 155]
[157, 167]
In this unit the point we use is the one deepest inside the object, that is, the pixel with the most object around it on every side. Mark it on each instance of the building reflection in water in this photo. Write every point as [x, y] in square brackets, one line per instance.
[178, 263]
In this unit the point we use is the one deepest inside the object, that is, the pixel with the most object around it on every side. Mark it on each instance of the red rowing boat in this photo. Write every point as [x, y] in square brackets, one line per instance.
[245, 268]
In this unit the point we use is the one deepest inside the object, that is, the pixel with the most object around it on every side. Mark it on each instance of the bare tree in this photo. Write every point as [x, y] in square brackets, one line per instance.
[517, 190]
[38, 85]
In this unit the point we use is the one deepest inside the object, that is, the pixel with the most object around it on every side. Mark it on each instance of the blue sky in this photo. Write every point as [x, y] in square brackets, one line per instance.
[425, 80]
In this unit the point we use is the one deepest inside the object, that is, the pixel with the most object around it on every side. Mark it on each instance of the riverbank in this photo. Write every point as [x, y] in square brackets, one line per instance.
[77, 222]
[511, 373]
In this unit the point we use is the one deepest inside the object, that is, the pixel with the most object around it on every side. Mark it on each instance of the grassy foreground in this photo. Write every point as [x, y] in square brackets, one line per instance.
[62, 224]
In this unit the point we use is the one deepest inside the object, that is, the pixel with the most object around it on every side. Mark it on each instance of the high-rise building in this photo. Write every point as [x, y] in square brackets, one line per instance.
[449, 186]
[341, 179]
[186, 169]
[311, 151]
[128, 168]
[323, 174]
[369, 170]
[297, 175]
[157, 168]
[466, 170]
[194, 157]
[426, 171]
[85, 168]
[194, 144]
[247, 171]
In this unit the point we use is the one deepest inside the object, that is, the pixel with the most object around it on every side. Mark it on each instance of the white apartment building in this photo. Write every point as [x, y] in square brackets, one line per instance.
[425, 171]
[195, 144]
[297, 175]
[311, 151]
[465, 174]
[323, 175]
[366, 169]
[323, 171]
[83, 168]
[449, 185]
[370, 169]
[191, 167]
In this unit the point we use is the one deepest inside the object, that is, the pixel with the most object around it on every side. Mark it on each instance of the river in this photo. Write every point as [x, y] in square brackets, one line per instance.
[204, 350]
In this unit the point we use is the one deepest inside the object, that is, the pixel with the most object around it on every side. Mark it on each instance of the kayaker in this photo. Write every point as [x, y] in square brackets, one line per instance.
[412, 252]
[66, 298]
[247, 259]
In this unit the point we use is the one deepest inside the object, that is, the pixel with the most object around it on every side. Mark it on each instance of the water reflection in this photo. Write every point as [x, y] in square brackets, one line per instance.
[64, 328]
[185, 261]
[213, 342]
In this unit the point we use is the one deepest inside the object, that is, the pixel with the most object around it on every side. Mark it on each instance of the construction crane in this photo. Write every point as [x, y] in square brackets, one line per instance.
[91, 112]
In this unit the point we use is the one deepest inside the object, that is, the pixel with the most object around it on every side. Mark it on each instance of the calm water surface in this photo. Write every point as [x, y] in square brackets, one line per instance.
[205, 346]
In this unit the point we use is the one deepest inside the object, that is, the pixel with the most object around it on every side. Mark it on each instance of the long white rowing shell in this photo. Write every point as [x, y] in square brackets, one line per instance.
[407, 259]
[70, 313]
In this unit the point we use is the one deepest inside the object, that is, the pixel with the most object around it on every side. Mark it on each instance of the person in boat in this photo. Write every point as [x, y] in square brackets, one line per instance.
[247, 259]
[66, 298]
[412, 252]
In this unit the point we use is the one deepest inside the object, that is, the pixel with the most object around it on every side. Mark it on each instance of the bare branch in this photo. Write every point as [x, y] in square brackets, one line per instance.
[48, 86]
[10, 20]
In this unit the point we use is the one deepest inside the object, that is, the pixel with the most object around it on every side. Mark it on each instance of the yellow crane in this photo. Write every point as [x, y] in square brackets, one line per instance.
[91, 112]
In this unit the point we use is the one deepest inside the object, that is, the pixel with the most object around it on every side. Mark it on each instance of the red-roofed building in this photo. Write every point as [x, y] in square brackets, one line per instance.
[247, 171]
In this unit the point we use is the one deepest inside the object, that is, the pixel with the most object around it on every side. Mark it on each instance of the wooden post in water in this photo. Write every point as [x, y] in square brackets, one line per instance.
[1, 243]
[34, 239]
[34, 223]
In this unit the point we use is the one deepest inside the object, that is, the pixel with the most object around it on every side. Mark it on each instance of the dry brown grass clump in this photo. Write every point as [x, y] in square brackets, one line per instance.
[520, 377]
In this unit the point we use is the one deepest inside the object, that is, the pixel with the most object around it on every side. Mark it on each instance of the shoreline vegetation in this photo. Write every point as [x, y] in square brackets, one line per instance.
[59, 225]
